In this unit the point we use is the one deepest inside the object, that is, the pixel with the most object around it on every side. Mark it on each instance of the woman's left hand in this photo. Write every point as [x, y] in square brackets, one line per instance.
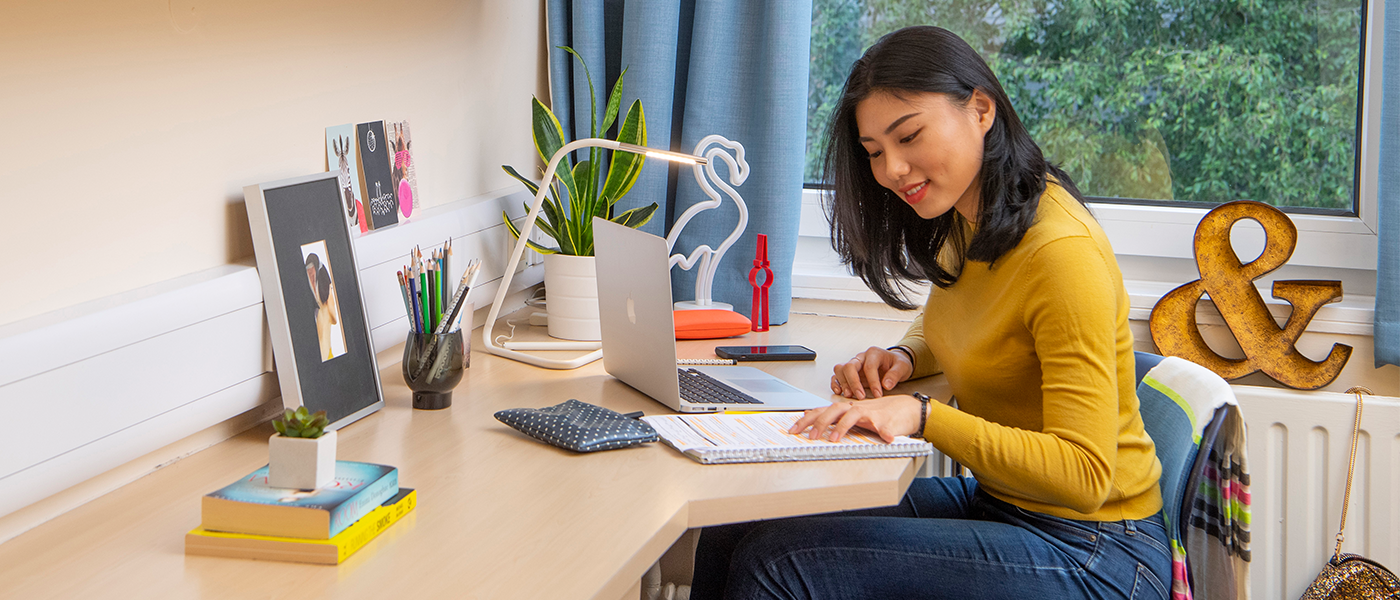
[888, 417]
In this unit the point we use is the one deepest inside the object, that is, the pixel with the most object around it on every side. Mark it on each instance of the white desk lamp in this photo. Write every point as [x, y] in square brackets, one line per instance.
[514, 351]
[707, 257]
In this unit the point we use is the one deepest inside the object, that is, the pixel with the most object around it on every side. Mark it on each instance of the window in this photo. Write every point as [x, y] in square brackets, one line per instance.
[1187, 100]
[1161, 108]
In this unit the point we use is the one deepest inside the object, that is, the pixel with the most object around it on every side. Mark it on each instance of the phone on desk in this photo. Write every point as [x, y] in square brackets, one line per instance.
[789, 352]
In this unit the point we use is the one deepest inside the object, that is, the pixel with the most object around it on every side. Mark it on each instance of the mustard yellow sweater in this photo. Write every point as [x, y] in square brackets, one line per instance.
[1039, 356]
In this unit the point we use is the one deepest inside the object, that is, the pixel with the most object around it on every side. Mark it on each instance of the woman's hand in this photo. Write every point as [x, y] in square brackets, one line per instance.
[879, 368]
[888, 417]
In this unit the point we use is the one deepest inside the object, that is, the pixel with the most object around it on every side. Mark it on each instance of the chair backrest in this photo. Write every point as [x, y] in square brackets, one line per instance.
[1178, 399]
[1144, 361]
[1174, 434]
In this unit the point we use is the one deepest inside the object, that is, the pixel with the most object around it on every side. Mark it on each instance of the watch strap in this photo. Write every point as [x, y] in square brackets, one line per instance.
[923, 413]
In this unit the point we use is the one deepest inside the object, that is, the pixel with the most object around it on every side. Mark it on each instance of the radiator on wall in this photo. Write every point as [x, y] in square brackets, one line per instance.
[1299, 446]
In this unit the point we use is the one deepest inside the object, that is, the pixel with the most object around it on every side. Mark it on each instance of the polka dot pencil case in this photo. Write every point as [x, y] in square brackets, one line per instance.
[578, 426]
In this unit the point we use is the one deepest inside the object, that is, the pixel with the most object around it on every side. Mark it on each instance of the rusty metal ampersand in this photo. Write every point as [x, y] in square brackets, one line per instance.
[1267, 347]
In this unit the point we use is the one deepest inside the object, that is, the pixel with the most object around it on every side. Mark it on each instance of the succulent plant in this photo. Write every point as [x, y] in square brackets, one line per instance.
[301, 423]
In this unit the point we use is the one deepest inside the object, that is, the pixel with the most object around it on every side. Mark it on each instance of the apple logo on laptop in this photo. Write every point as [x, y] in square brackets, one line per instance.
[631, 310]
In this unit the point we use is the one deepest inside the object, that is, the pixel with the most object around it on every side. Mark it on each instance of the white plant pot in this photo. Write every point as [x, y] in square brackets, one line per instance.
[301, 463]
[571, 283]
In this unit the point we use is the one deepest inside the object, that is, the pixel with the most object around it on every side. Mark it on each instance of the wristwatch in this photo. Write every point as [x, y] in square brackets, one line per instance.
[923, 413]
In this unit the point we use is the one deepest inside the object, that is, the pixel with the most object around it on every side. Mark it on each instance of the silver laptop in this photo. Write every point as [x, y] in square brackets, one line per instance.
[639, 334]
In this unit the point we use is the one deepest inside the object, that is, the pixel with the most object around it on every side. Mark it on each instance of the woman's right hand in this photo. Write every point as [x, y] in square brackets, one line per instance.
[876, 368]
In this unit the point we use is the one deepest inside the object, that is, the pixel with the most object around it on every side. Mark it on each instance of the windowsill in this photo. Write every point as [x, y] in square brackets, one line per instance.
[1352, 315]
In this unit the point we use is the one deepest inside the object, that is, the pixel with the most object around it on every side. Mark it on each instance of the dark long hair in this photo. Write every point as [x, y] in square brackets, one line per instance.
[884, 241]
[323, 278]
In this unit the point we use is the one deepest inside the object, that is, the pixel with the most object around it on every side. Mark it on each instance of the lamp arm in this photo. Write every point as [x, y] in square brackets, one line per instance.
[519, 250]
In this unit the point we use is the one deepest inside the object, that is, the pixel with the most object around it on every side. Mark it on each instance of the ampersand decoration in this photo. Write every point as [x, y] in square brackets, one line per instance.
[1267, 347]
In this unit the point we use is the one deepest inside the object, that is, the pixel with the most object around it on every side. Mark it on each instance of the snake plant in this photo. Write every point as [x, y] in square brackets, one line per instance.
[567, 213]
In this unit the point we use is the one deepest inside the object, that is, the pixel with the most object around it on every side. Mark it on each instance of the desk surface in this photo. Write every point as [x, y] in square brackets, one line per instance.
[499, 515]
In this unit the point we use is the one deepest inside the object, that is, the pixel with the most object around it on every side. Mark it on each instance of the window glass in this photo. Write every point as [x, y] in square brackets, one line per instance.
[1203, 101]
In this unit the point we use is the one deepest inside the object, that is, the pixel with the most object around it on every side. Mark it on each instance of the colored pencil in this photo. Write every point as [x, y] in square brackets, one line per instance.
[463, 288]
[417, 307]
[433, 299]
[432, 302]
[407, 307]
[447, 268]
[466, 289]
[422, 307]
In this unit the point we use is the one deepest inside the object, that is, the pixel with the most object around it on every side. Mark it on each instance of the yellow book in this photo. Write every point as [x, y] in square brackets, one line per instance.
[204, 542]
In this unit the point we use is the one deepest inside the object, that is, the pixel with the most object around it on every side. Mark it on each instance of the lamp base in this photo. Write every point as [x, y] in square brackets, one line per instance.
[691, 305]
[432, 400]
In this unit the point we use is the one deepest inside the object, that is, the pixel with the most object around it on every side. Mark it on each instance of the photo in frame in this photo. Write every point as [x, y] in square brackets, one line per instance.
[311, 293]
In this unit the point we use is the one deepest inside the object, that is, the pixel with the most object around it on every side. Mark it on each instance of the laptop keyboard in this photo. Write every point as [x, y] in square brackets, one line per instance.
[702, 389]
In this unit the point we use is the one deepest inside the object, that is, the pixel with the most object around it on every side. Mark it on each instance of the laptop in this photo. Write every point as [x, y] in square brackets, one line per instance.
[639, 334]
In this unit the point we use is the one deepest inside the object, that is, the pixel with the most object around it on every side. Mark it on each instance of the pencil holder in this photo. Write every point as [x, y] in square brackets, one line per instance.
[432, 366]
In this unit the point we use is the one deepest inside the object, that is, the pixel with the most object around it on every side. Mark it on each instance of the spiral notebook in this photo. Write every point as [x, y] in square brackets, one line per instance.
[739, 438]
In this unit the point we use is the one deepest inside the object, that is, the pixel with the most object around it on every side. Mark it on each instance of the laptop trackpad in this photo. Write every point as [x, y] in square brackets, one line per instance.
[762, 386]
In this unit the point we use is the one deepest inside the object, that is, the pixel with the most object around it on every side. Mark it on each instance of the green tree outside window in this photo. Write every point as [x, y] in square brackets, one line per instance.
[1188, 100]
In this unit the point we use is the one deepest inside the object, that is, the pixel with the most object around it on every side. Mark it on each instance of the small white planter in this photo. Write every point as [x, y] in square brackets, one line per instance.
[301, 463]
[572, 285]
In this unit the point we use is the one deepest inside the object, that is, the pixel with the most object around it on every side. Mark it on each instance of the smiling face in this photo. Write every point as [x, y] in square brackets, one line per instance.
[927, 148]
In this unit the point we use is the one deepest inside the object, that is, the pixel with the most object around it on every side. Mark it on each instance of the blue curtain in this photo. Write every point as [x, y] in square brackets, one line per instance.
[1387, 319]
[737, 68]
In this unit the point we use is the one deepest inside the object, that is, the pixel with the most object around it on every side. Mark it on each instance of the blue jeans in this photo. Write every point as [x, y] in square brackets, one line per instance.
[944, 540]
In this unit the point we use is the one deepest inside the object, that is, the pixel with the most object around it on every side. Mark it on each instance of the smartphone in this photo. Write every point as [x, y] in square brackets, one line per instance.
[792, 352]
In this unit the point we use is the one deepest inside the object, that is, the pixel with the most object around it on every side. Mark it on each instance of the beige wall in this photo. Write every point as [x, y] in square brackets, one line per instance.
[132, 125]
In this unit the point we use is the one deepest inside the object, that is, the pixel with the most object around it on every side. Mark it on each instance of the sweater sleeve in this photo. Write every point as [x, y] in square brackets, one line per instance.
[924, 362]
[1069, 305]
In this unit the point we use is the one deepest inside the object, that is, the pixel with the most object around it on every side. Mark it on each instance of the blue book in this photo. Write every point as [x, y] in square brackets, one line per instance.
[253, 507]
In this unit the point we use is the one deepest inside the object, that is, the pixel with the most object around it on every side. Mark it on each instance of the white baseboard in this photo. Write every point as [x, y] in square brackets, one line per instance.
[91, 388]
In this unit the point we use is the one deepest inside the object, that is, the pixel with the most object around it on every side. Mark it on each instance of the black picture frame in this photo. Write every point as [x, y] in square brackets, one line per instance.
[311, 293]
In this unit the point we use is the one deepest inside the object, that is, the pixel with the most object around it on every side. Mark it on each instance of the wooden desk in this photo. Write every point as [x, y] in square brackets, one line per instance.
[499, 516]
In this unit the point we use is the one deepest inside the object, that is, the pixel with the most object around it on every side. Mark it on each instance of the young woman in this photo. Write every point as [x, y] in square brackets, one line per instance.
[937, 180]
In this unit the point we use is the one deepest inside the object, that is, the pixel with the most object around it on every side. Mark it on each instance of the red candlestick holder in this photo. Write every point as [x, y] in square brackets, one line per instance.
[758, 317]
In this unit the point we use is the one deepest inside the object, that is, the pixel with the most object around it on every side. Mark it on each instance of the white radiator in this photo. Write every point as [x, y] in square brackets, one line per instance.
[1299, 444]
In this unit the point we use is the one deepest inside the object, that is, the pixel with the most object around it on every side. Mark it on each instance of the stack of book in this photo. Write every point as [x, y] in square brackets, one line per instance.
[249, 519]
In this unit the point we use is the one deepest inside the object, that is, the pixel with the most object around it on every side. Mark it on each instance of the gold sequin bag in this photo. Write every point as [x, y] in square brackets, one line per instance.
[1349, 576]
